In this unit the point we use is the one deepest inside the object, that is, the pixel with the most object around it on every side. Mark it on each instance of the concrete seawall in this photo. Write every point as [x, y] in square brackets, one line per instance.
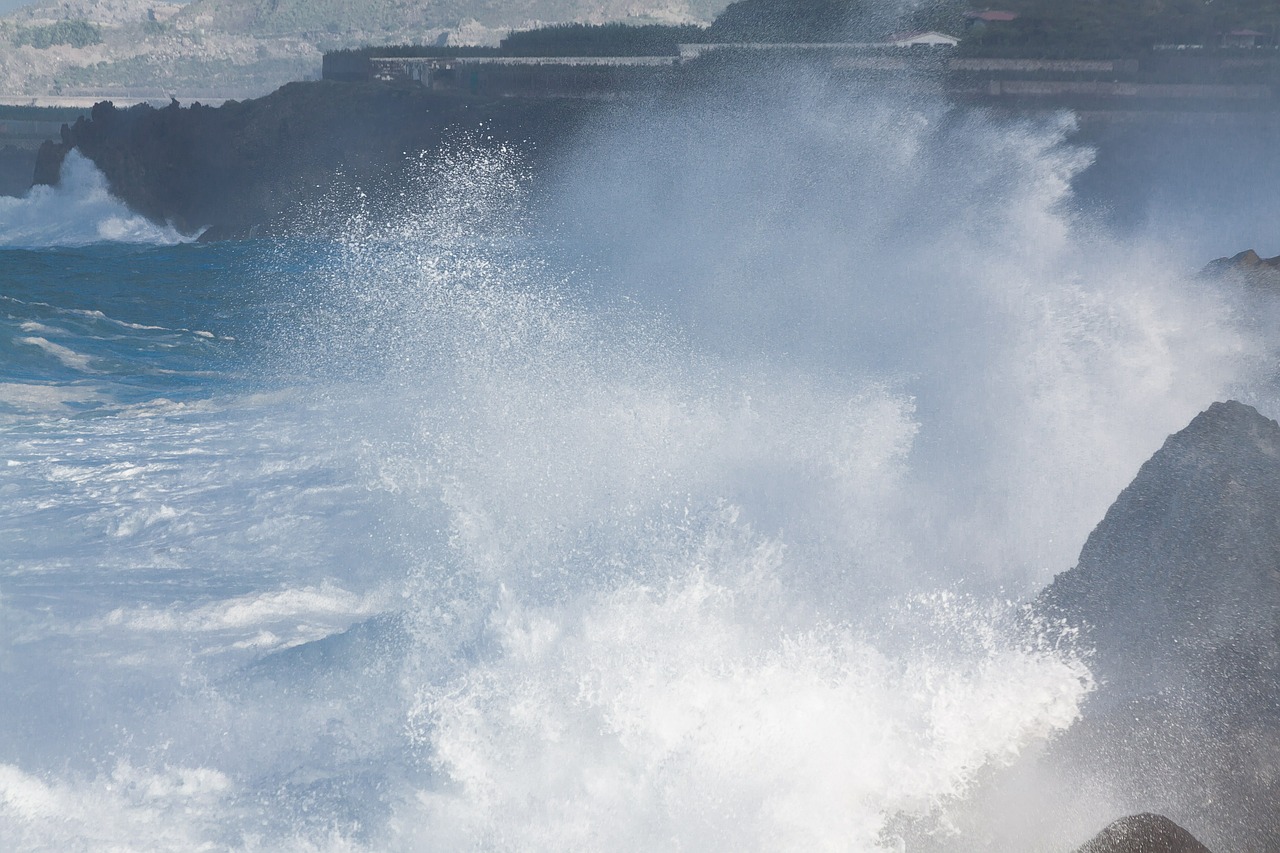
[1238, 80]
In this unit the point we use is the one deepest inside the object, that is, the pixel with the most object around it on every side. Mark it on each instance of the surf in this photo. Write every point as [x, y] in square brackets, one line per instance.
[535, 513]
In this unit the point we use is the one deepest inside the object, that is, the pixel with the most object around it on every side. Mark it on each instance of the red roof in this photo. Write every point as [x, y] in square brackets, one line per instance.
[992, 15]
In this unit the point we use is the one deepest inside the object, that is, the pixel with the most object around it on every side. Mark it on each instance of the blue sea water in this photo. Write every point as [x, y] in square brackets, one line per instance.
[694, 522]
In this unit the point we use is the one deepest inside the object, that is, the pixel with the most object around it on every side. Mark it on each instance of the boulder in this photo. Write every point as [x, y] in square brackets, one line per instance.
[1143, 833]
[1177, 594]
[1186, 564]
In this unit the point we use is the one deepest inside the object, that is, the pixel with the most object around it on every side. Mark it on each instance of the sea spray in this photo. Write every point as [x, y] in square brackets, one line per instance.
[683, 716]
[596, 627]
[79, 211]
[674, 531]
[935, 248]
[579, 450]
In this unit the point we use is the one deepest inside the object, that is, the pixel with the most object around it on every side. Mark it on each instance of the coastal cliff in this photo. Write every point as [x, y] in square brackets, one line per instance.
[263, 165]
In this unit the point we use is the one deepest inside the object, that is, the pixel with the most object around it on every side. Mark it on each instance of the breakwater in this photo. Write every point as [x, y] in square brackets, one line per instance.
[1182, 80]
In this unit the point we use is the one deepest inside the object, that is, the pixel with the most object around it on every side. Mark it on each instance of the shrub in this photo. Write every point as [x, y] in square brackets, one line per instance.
[74, 33]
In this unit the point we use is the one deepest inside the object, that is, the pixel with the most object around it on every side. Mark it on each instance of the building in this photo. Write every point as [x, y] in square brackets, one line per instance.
[978, 22]
[922, 38]
[1242, 38]
[554, 76]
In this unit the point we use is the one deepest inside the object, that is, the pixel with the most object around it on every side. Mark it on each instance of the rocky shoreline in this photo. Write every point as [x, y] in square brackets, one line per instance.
[265, 166]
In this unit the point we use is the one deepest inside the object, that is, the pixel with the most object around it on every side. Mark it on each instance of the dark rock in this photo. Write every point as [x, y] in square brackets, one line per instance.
[1178, 593]
[49, 161]
[1144, 833]
[1248, 263]
[279, 162]
[1186, 562]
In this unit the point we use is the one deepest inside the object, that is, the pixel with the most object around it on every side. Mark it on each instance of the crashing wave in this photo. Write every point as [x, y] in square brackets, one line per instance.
[79, 211]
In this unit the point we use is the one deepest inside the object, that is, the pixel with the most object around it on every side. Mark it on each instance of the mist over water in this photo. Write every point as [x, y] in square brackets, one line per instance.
[940, 252]
[684, 500]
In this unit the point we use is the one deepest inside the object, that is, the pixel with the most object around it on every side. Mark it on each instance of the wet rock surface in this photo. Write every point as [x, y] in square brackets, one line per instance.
[1186, 563]
[1248, 262]
[1144, 833]
[1178, 593]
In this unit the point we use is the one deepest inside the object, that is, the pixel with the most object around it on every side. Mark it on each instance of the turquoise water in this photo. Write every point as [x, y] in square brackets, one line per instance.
[120, 316]
[148, 463]
[547, 521]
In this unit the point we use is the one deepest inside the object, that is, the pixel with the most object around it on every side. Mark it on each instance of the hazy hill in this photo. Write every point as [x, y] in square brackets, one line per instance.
[244, 48]
[340, 17]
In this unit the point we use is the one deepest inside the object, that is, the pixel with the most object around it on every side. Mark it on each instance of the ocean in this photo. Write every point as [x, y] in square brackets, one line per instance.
[688, 498]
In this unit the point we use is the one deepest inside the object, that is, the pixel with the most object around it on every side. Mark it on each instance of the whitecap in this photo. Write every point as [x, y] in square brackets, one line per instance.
[79, 211]
[69, 357]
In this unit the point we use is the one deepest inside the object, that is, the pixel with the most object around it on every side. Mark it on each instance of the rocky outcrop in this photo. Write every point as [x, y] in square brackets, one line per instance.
[1186, 562]
[1143, 833]
[1248, 263]
[1178, 593]
[272, 164]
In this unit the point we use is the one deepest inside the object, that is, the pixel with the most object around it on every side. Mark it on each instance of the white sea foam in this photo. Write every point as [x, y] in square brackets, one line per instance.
[652, 718]
[79, 211]
[275, 619]
[131, 806]
[46, 397]
[66, 355]
[702, 559]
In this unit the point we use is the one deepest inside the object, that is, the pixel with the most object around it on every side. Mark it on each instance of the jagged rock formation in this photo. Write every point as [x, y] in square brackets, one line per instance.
[1186, 562]
[1248, 262]
[1144, 833]
[1178, 590]
[265, 165]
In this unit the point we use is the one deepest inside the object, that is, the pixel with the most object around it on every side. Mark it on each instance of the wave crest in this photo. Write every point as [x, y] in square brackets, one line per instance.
[80, 211]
